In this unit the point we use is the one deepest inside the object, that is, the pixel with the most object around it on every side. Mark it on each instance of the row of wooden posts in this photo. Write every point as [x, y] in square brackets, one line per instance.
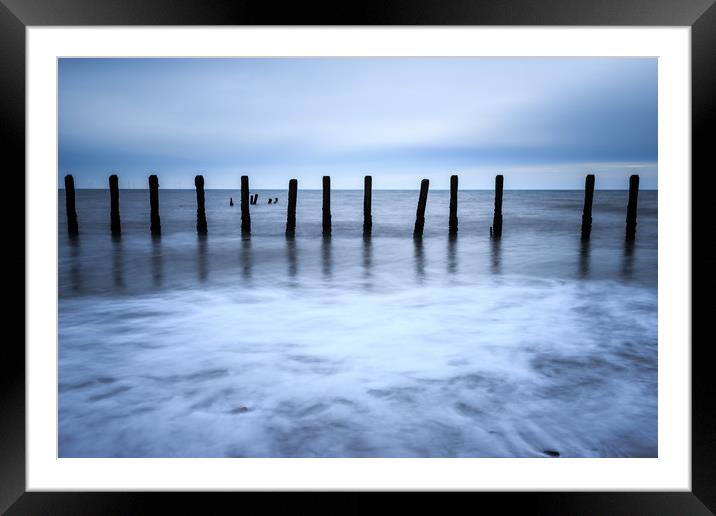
[201, 226]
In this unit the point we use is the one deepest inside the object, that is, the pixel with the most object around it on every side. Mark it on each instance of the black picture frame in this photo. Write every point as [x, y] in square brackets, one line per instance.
[700, 15]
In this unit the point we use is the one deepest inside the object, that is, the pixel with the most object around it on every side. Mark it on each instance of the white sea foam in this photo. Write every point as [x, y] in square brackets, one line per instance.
[503, 366]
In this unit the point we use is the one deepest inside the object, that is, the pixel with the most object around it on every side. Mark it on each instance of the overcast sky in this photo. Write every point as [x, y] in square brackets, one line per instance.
[542, 122]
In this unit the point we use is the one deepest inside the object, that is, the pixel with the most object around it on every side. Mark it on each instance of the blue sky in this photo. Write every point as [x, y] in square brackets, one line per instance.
[542, 122]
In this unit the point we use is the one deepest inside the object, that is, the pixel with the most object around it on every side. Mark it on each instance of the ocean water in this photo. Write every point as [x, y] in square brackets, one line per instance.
[531, 346]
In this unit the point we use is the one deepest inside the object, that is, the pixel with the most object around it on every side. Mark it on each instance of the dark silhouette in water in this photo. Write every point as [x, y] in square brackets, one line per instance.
[587, 210]
[72, 227]
[631, 207]
[326, 206]
[291, 214]
[452, 223]
[115, 225]
[270, 200]
[496, 229]
[245, 214]
[231, 201]
[275, 201]
[200, 205]
[367, 205]
[155, 225]
[420, 212]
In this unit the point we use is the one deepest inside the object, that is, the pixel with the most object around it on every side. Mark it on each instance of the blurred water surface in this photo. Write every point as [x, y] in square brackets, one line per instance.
[344, 347]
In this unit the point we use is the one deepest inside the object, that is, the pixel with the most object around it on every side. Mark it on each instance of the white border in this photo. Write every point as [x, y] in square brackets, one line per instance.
[670, 471]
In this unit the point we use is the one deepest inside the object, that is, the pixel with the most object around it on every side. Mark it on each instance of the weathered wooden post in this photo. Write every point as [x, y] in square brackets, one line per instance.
[200, 205]
[587, 210]
[326, 205]
[420, 213]
[367, 205]
[497, 218]
[631, 207]
[114, 222]
[72, 227]
[155, 227]
[245, 215]
[453, 206]
[291, 217]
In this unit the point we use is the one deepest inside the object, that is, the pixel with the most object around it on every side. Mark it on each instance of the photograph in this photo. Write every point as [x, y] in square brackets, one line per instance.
[344, 257]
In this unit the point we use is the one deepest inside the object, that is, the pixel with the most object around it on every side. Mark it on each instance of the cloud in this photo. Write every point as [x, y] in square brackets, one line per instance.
[274, 118]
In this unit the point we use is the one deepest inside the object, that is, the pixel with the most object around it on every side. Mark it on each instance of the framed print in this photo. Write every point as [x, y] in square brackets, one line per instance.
[426, 248]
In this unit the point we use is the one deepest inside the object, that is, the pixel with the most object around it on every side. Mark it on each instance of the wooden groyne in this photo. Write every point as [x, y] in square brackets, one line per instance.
[496, 231]
[200, 206]
[155, 226]
[367, 205]
[248, 199]
[420, 212]
[631, 207]
[587, 210]
[114, 223]
[72, 226]
[326, 206]
[245, 213]
[452, 221]
[291, 211]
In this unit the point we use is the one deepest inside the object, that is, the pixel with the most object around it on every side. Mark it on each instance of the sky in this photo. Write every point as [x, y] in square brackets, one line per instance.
[544, 123]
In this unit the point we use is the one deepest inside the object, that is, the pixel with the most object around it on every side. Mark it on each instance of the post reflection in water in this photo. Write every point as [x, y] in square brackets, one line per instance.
[157, 265]
[367, 261]
[246, 258]
[201, 257]
[117, 262]
[452, 254]
[75, 268]
[628, 262]
[584, 257]
[419, 260]
[496, 244]
[327, 258]
[291, 258]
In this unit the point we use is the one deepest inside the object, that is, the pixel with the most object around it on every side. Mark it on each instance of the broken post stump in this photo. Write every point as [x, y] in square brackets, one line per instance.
[72, 226]
[587, 210]
[453, 206]
[326, 205]
[245, 215]
[497, 217]
[367, 205]
[291, 217]
[114, 222]
[200, 205]
[155, 225]
[420, 213]
[631, 207]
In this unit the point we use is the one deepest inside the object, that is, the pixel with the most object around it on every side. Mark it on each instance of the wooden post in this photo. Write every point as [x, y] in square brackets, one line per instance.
[115, 225]
[367, 205]
[245, 215]
[200, 205]
[587, 210]
[631, 207]
[326, 205]
[420, 214]
[155, 226]
[291, 217]
[497, 218]
[453, 206]
[72, 227]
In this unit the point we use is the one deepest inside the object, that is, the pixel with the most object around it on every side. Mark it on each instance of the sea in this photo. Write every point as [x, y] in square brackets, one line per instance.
[537, 344]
